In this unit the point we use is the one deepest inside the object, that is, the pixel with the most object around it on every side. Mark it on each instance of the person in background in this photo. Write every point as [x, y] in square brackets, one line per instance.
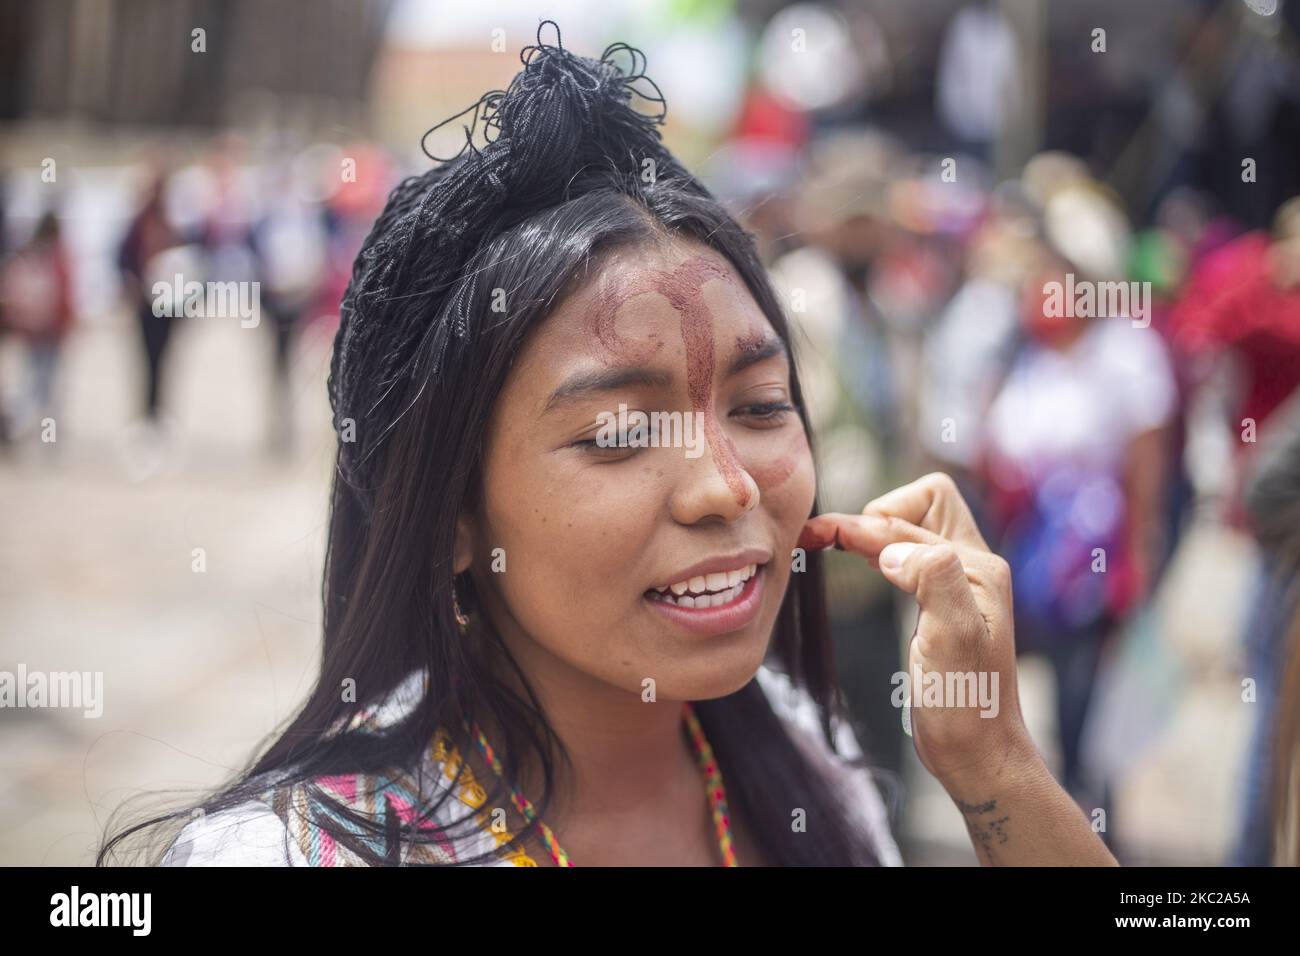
[36, 287]
[289, 245]
[223, 234]
[1074, 462]
[149, 234]
[1241, 307]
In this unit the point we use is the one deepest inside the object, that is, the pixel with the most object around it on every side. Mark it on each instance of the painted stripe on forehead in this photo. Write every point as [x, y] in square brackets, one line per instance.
[683, 287]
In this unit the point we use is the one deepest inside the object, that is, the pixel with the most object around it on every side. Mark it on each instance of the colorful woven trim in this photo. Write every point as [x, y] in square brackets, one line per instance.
[376, 798]
[379, 798]
[447, 759]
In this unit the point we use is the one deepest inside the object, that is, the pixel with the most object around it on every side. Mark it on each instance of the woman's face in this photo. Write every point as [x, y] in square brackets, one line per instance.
[666, 557]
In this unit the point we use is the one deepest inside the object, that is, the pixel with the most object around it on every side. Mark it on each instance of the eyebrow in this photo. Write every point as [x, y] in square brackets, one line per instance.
[764, 349]
[607, 380]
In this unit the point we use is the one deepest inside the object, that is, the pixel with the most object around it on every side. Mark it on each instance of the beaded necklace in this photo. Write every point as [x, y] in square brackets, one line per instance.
[703, 755]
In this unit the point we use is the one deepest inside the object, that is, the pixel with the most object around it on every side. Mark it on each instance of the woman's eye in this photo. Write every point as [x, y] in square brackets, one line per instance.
[594, 446]
[621, 444]
[772, 413]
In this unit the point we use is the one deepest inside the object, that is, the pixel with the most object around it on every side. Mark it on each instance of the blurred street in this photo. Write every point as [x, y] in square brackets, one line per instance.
[98, 564]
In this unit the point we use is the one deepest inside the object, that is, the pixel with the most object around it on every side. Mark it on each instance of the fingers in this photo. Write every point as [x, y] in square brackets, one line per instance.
[864, 534]
[985, 585]
[934, 503]
[936, 575]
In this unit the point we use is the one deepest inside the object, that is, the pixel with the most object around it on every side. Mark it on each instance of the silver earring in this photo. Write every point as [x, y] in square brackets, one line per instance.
[462, 621]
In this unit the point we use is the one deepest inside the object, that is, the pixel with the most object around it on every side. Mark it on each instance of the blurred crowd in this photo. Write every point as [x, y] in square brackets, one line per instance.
[939, 336]
[1096, 371]
[285, 231]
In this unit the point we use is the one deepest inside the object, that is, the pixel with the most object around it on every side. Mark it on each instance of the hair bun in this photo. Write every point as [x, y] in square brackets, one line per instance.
[560, 111]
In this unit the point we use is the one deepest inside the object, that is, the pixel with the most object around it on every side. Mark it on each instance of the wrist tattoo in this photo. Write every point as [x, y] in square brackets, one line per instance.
[987, 829]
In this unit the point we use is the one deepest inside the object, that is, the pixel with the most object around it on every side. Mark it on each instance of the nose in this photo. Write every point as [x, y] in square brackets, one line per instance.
[714, 485]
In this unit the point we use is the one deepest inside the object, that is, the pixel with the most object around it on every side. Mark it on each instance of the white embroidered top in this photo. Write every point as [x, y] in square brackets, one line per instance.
[261, 832]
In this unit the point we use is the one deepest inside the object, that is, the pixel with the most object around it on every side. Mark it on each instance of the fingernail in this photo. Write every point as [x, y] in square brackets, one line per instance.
[893, 555]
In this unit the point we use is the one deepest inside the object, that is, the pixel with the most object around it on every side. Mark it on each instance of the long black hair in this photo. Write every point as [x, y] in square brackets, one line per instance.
[420, 357]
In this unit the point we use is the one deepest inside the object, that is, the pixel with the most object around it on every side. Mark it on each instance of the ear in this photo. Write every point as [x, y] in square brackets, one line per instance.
[466, 535]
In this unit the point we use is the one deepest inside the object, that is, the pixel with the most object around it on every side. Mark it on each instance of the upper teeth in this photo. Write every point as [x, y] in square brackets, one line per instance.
[711, 583]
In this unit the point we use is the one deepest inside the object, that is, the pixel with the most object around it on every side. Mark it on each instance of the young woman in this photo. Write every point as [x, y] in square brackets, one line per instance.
[544, 648]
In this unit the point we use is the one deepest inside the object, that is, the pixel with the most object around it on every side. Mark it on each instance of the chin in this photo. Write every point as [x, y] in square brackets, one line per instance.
[717, 672]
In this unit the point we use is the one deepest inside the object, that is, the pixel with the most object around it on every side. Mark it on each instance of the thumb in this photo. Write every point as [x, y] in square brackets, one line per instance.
[935, 575]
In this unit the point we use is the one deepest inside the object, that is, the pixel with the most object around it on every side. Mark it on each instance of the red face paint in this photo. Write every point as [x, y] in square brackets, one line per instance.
[608, 302]
[750, 341]
[773, 474]
[683, 288]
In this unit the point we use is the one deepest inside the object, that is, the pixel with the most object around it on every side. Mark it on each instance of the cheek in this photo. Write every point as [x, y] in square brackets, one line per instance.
[566, 531]
[784, 472]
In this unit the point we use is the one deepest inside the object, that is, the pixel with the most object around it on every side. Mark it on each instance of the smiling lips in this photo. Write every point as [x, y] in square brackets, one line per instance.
[706, 590]
[713, 603]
